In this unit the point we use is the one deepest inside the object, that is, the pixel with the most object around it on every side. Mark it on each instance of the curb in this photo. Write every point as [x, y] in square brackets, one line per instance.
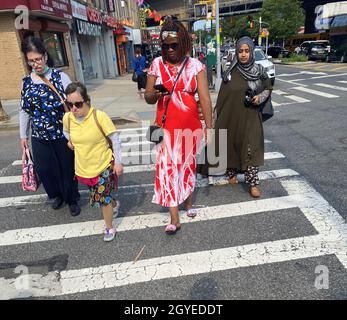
[293, 63]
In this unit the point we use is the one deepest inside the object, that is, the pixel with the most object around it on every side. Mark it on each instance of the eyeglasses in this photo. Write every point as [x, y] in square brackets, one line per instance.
[78, 104]
[31, 63]
[167, 46]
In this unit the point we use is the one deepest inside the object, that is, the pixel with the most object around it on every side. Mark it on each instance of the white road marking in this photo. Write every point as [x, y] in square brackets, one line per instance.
[137, 168]
[39, 198]
[331, 76]
[300, 73]
[331, 239]
[126, 154]
[127, 273]
[315, 92]
[275, 104]
[325, 85]
[139, 222]
[279, 92]
[342, 81]
[298, 99]
[141, 129]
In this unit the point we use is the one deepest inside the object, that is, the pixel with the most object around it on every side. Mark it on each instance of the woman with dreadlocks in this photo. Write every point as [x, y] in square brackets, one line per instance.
[181, 77]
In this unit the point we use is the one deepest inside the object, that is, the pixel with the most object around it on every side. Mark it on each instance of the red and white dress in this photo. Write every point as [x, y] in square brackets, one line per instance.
[176, 155]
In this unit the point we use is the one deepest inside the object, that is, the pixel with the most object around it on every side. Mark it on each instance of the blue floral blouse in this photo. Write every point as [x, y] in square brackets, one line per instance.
[44, 107]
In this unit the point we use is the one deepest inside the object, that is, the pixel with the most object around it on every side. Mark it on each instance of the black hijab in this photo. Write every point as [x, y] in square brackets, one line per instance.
[253, 73]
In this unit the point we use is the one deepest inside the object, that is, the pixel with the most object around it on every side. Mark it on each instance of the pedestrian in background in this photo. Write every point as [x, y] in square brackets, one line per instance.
[245, 86]
[43, 108]
[91, 134]
[139, 66]
[176, 155]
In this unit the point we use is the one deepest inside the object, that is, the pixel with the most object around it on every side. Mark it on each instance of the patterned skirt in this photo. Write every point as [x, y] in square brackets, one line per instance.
[101, 194]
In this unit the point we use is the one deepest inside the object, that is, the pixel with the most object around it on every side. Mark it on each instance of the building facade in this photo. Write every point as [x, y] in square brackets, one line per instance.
[35, 17]
[90, 39]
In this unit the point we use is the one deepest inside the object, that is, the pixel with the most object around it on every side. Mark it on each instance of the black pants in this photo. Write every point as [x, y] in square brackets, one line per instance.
[54, 164]
[141, 81]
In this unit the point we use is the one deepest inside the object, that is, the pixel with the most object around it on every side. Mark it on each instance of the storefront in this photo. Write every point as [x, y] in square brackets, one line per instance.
[93, 40]
[48, 20]
[121, 47]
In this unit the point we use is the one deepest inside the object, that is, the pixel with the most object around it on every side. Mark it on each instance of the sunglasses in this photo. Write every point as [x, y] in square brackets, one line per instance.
[167, 46]
[78, 104]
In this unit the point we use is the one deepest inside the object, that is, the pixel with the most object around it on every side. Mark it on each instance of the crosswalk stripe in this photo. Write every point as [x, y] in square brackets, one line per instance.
[275, 104]
[139, 222]
[141, 129]
[135, 143]
[279, 92]
[128, 154]
[330, 76]
[331, 239]
[138, 168]
[342, 81]
[315, 92]
[38, 198]
[127, 273]
[325, 85]
[298, 99]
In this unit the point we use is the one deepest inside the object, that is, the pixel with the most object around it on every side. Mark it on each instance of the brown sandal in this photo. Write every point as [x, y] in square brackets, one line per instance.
[233, 180]
[254, 191]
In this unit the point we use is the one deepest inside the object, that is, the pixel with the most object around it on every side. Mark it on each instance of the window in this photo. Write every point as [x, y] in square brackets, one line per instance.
[54, 42]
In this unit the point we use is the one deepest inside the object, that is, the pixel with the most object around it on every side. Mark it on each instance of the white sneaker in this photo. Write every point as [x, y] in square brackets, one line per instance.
[210, 180]
[109, 234]
[116, 209]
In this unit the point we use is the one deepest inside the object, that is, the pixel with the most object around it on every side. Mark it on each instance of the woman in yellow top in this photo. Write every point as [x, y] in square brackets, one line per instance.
[95, 164]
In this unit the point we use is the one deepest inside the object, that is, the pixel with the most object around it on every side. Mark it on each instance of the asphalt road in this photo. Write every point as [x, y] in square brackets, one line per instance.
[290, 244]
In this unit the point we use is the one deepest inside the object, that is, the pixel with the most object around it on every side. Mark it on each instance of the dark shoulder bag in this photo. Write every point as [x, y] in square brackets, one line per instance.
[266, 109]
[155, 133]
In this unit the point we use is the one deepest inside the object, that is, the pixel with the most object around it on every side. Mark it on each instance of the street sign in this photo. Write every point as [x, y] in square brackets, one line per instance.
[200, 10]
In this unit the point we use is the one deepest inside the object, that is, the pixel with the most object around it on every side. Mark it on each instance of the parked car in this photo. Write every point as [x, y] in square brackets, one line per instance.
[315, 50]
[260, 58]
[338, 54]
[275, 51]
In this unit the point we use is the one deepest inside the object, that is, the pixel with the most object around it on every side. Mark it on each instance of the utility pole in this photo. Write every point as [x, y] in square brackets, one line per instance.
[260, 30]
[219, 76]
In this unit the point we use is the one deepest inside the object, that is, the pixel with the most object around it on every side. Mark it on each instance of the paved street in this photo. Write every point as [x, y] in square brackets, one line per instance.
[289, 244]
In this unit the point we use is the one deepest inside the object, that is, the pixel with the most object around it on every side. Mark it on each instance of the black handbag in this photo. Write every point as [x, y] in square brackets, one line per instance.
[155, 133]
[134, 78]
[267, 110]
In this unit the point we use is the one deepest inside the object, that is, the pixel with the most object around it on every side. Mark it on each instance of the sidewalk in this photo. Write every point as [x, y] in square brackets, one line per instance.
[117, 97]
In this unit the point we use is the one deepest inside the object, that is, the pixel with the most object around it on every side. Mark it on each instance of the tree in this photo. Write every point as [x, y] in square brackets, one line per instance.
[284, 17]
[235, 27]
[3, 115]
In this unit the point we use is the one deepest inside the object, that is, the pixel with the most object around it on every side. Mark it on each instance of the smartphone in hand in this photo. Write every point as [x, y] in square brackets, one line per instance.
[161, 88]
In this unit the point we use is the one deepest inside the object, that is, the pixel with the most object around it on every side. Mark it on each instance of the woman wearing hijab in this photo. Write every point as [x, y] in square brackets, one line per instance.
[245, 87]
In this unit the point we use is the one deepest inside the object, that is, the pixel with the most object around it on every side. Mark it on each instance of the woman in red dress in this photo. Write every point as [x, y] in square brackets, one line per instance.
[176, 155]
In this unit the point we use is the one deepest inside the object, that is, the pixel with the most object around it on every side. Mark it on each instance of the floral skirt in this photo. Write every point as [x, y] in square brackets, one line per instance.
[101, 193]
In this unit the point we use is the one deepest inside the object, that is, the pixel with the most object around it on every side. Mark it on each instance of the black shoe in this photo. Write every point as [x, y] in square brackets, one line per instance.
[57, 203]
[75, 210]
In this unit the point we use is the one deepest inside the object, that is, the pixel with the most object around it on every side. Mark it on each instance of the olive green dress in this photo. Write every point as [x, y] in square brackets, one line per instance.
[245, 137]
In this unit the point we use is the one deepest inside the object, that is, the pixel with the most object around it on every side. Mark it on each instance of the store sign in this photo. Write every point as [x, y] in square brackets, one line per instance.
[88, 29]
[79, 11]
[94, 15]
[57, 8]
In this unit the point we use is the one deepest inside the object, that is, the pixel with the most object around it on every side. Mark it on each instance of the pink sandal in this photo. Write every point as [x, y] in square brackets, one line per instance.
[171, 228]
[192, 212]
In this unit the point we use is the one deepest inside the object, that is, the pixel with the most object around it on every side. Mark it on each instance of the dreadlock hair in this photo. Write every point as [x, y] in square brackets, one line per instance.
[184, 40]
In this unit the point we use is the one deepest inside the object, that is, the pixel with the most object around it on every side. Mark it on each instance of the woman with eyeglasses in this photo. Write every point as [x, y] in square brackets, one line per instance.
[91, 133]
[44, 109]
[176, 155]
